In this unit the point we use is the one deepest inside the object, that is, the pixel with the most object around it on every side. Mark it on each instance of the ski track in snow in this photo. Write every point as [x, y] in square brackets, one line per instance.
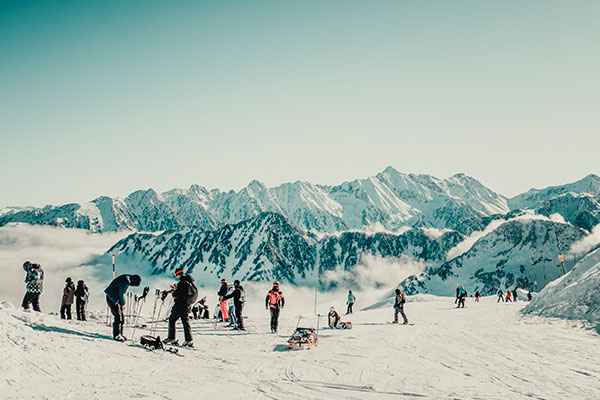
[485, 351]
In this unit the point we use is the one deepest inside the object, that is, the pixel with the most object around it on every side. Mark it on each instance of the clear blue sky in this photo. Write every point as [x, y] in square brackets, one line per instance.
[106, 97]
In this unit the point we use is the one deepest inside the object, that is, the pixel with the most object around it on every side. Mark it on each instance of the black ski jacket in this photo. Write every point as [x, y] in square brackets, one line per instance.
[223, 290]
[186, 293]
[237, 297]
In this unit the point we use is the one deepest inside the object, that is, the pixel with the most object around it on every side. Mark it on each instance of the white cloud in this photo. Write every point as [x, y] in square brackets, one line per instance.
[584, 245]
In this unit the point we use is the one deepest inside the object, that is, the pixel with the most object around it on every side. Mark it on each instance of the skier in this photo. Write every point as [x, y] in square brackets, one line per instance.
[508, 294]
[239, 298]
[477, 296]
[529, 296]
[399, 306]
[223, 303]
[515, 294]
[274, 302]
[462, 294]
[185, 294]
[115, 298]
[34, 285]
[67, 299]
[500, 296]
[81, 298]
[350, 302]
[230, 306]
[334, 318]
[457, 294]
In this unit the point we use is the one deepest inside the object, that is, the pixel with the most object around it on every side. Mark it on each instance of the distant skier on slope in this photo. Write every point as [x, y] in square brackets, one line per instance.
[477, 296]
[333, 317]
[529, 296]
[81, 297]
[239, 299]
[399, 306]
[67, 299]
[508, 294]
[34, 281]
[515, 294]
[115, 298]
[457, 294]
[462, 294]
[185, 294]
[500, 296]
[223, 303]
[274, 302]
[351, 300]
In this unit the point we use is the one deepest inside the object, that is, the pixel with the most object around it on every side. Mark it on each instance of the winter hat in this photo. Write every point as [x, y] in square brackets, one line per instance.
[68, 280]
[80, 282]
[275, 284]
[223, 281]
[332, 308]
[236, 283]
[178, 271]
[26, 265]
[397, 290]
[135, 280]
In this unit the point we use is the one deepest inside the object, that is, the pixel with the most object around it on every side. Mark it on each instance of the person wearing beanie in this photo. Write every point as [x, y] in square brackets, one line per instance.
[34, 281]
[67, 299]
[239, 299]
[274, 302]
[81, 298]
[185, 295]
[399, 306]
[223, 303]
[115, 298]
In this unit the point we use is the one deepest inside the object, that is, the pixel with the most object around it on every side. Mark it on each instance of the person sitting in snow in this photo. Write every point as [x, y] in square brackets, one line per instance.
[67, 299]
[334, 318]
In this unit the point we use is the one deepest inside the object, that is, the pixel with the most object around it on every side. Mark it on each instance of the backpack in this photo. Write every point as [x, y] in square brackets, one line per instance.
[192, 294]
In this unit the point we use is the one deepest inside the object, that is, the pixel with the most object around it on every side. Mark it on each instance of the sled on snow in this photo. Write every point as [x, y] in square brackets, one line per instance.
[303, 338]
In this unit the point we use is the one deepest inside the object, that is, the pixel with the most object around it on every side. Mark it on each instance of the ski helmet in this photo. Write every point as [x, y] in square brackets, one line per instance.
[26, 265]
[275, 284]
[135, 280]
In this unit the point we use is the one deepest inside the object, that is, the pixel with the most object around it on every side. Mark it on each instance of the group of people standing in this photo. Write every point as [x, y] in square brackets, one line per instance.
[79, 294]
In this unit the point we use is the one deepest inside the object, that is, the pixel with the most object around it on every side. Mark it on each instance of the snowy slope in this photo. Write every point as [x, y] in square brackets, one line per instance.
[485, 351]
[515, 253]
[575, 295]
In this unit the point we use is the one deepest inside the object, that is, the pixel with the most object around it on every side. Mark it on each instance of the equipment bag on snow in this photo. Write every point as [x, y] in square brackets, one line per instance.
[152, 342]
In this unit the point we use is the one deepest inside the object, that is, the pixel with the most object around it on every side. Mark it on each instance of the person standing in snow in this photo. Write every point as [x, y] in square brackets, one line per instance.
[34, 281]
[67, 299]
[457, 294]
[185, 294]
[508, 294]
[462, 294]
[500, 296]
[223, 303]
[399, 306]
[230, 306]
[333, 317]
[515, 294]
[274, 302]
[529, 296]
[477, 296]
[115, 298]
[350, 302]
[81, 298]
[239, 298]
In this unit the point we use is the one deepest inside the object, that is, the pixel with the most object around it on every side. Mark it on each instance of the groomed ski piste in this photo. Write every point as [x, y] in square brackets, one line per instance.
[487, 350]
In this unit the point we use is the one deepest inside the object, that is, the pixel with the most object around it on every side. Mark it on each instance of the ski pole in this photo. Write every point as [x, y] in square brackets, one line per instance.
[156, 296]
[137, 317]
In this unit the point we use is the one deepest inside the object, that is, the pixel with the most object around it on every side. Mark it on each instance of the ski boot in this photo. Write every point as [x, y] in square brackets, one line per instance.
[188, 344]
[171, 341]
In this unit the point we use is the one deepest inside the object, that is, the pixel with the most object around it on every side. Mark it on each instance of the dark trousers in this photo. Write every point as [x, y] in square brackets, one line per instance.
[65, 311]
[500, 298]
[400, 309]
[274, 319]
[80, 308]
[238, 316]
[33, 299]
[349, 310]
[183, 313]
[461, 301]
[117, 312]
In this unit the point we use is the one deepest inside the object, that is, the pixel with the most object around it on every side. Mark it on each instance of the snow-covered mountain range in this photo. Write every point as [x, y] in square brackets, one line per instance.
[298, 231]
[389, 201]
